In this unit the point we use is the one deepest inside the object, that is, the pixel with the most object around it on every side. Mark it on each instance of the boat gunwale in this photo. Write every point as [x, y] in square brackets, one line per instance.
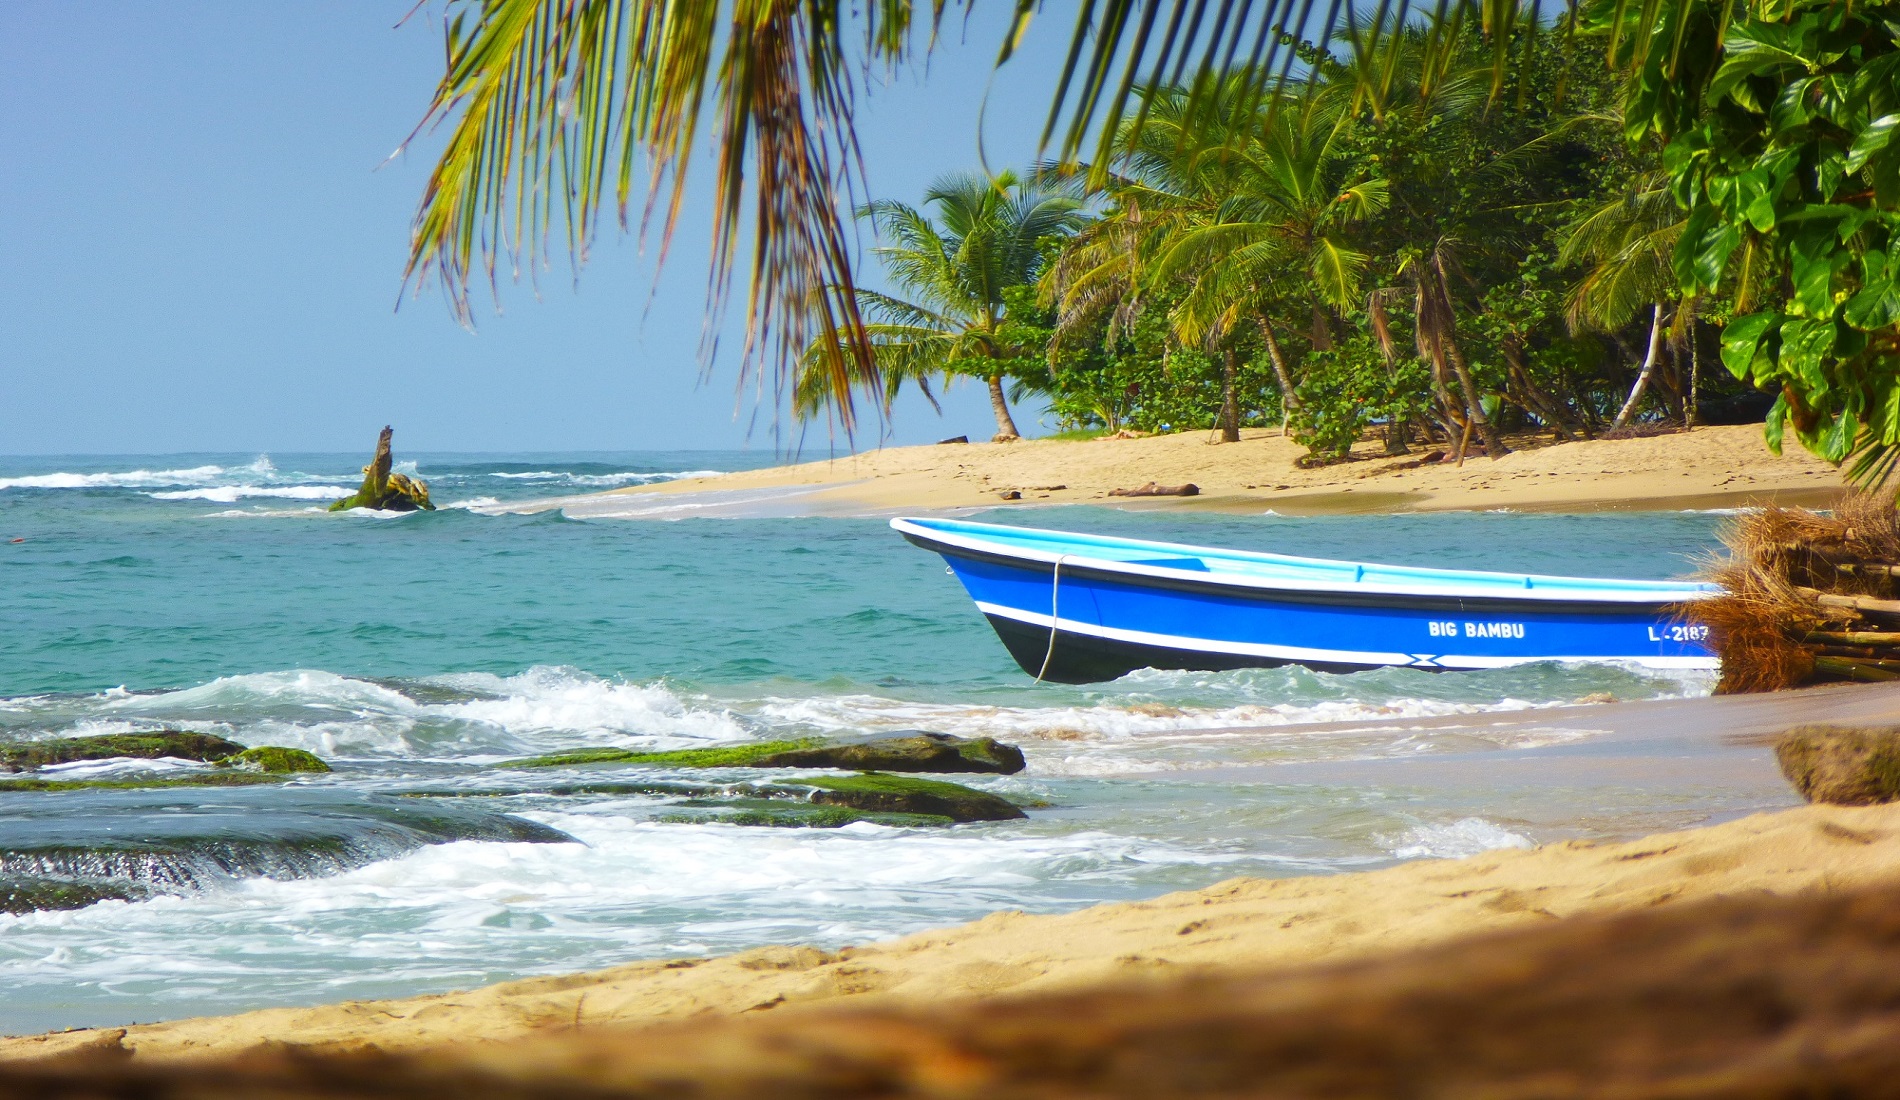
[925, 534]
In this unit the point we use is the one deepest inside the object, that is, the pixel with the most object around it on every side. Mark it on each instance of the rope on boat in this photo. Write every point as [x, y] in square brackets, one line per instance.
[1055, 583]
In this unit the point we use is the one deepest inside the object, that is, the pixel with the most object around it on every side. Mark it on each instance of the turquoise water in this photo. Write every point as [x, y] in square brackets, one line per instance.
[213, 592]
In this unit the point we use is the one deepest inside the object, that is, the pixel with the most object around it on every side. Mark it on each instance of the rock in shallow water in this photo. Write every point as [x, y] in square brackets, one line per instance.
[1844, 765]
[177, 744]
[133, 843]
[909, 752]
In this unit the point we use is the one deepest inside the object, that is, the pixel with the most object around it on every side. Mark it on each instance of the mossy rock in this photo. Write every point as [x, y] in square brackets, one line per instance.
[912, 752]
[155, 782]
[727, 756]
[179, 744]
[780, 814]
[895, 794]
[32, 894]
[1843, 765]
[917, 752]
[274, 760]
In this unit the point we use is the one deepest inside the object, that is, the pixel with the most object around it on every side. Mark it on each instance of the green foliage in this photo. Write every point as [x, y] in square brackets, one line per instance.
[1344, 390]
[1780, 148]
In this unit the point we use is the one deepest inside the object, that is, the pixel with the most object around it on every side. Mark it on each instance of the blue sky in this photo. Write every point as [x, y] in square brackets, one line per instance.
[204, 245]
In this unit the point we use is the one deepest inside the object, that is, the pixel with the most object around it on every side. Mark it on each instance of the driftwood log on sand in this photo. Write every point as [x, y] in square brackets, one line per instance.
[1153, 490]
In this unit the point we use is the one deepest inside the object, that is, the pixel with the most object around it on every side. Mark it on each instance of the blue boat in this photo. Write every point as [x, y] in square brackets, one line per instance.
[1079, 609]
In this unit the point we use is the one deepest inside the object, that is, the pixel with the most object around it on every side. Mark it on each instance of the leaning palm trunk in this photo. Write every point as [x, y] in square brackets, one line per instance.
[1649, 369]
[1448, 340]
[1437, 342]
[1288, 399]
[1229, 399]
[1005, 424]
[1545, 406]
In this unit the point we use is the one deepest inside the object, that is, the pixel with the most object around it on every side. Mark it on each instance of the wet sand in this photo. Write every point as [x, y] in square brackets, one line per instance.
[1694, 761]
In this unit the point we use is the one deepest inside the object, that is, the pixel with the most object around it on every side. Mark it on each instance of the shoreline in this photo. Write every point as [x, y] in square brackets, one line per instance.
[1715, 750]
[1702, 468]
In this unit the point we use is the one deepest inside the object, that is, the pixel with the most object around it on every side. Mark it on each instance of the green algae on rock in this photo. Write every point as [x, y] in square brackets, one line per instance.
[32, 893]
[274, 760]
[179, 744]
[879, 793]
[915, 752]
[921, 751]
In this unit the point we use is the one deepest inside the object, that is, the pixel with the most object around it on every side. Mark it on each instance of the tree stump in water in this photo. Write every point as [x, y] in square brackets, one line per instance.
[386, 491]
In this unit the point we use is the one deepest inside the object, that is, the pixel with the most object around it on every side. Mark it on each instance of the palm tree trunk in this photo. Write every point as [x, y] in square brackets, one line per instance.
[1692, 407]
[1649, 369]
[1005, 425]
[1229, 399]
[1288, 399]
[1493, 442]
[1322, 328]
[1547, 407]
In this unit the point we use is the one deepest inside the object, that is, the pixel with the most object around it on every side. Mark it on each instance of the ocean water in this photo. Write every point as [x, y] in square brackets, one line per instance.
[415, 652]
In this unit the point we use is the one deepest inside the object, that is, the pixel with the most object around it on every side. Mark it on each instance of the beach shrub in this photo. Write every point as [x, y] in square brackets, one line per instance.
[1349, 388]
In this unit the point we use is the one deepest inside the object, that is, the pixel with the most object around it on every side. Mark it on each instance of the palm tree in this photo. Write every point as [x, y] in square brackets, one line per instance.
[1282, 224]
[1232, 197]
[1628, 243]
[556, 108]
[952, 273]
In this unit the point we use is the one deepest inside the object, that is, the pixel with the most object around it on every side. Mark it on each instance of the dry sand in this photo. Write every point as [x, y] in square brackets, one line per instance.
[1233, 926]
[1704, 468]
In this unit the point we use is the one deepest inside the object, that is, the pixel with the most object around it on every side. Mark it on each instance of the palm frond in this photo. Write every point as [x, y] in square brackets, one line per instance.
[550, 104]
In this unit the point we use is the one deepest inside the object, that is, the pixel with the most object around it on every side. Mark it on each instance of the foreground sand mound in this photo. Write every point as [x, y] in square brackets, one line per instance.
[1241, 925]
[1758, 995]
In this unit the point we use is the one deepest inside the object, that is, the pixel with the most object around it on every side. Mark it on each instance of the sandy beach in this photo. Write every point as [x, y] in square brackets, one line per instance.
[1695, 748]
[1714, 467]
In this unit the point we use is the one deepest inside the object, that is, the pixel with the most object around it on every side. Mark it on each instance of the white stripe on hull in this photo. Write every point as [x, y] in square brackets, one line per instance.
[1304, 654]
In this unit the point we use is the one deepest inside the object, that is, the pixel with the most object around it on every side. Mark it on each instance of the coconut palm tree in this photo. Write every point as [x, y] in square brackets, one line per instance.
[951, 263]
[556, 109]
[1628, 244]
[1235, 196]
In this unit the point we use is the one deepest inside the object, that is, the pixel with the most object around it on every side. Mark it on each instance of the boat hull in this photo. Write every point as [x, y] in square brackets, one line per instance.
[1108, 623]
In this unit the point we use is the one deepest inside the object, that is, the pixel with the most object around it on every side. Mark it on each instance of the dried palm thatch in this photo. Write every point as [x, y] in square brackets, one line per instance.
[1808, 597]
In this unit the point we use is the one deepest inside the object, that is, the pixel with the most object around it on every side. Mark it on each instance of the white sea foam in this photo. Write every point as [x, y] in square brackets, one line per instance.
[628, 477]
[539, 710]
[135, 479]
[1464, 837]
[231, 494]
[563, 701]
[458, 914]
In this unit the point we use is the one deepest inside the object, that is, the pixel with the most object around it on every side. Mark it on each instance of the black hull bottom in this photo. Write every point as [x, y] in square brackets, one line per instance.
[1083, 659]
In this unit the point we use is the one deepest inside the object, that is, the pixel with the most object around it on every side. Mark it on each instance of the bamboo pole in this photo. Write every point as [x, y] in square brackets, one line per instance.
[1853, 637]
[1853, 603]
[1869, 671]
